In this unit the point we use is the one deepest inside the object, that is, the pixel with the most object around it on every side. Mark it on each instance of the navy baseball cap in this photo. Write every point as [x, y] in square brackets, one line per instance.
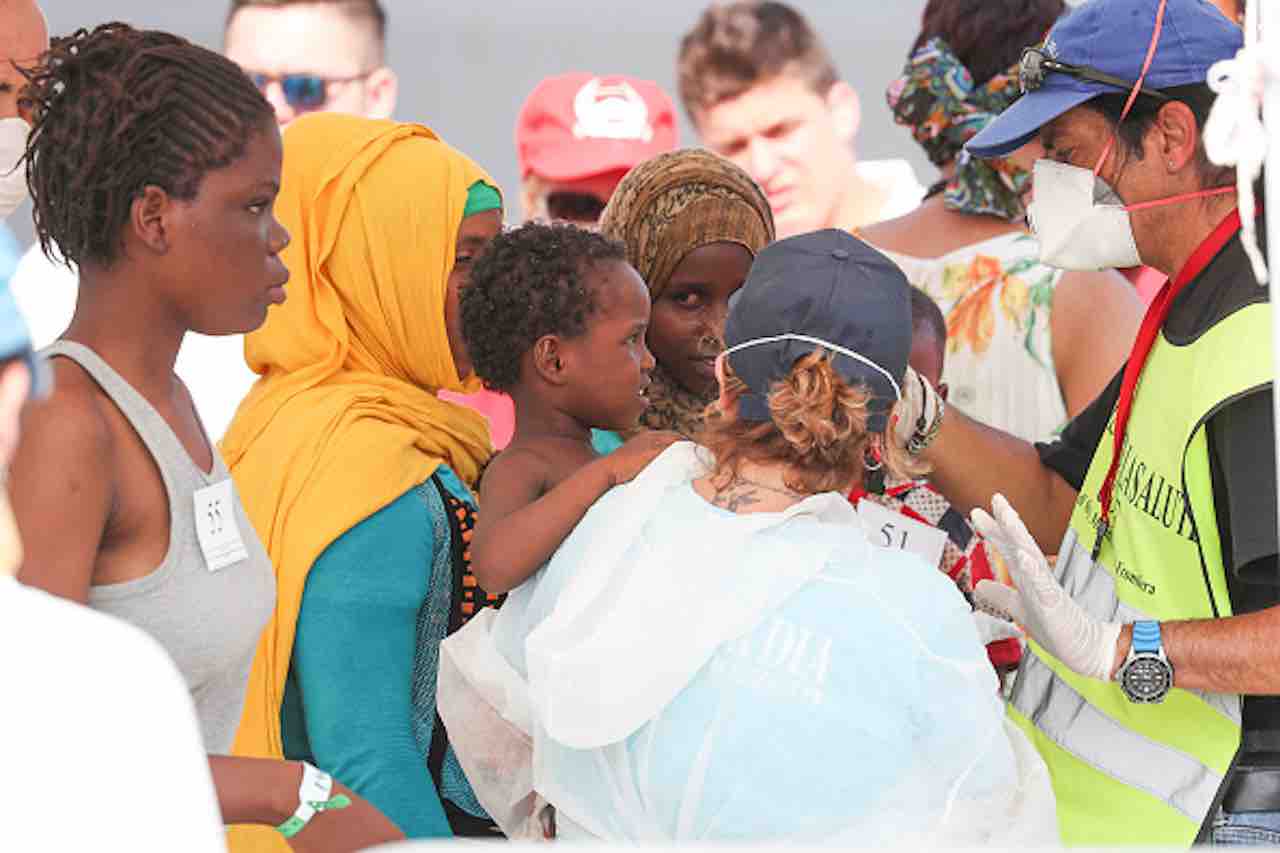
[825, 289]
[1113, 36]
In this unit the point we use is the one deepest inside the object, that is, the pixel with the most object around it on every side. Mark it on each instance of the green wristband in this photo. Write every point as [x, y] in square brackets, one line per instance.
[313, 797]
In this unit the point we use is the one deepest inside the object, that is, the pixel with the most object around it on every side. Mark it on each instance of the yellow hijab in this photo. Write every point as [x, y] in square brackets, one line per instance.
[345, 418]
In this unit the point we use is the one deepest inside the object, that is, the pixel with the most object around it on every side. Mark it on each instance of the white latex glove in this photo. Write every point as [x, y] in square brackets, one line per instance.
[1039, 604]
[992, 629]
[918, 414]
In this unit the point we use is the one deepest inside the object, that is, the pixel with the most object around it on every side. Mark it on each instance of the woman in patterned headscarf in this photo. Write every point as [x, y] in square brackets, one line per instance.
[1027, 345]
[692, 223]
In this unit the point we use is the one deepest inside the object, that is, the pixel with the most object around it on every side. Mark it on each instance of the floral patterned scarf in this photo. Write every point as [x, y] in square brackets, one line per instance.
[936, 98]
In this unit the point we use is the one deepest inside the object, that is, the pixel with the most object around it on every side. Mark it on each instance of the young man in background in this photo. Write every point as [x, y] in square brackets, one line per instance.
[761, 90]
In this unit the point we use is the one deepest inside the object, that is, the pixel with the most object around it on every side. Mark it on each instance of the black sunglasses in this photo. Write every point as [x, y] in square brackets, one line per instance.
[1035, 63]
[303, 91]
[574, 207]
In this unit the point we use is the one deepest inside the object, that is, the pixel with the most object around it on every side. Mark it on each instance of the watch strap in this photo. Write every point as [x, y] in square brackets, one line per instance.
[1146, 637]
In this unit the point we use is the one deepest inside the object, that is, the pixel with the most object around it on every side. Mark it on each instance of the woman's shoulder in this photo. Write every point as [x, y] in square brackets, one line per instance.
[931, 234]
[892, 574]
[405, 526]
[75, 412]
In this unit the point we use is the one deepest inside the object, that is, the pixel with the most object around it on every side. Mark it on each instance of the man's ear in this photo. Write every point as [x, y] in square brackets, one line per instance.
[150, 218]
[381, 91]
[846, 111]
[549, 359]
[1178, 138]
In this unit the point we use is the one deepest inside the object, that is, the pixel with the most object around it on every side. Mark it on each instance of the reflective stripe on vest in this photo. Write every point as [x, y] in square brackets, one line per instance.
[1147, 774]
[1055, 708]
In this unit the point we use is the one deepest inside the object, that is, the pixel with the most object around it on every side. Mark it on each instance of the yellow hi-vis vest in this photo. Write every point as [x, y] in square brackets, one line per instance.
[1126, 773]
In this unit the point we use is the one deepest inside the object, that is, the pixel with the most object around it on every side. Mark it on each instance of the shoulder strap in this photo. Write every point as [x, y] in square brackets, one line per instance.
[466, 600]
[155, 432]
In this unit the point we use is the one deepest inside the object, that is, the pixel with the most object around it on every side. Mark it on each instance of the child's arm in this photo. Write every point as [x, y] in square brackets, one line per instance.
[521, 524]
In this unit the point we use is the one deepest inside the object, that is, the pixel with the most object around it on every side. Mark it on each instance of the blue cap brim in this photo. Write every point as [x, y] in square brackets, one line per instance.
[1017, 125]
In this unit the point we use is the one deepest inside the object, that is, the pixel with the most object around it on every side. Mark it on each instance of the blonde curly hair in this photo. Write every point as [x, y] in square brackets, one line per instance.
[818, 430]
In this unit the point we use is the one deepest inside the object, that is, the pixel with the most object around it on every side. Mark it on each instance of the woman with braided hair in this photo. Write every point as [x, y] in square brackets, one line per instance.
[1027, 345]
[153, 166]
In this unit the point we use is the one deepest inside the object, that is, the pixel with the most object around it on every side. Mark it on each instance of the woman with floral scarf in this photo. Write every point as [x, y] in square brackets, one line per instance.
[1028, 346]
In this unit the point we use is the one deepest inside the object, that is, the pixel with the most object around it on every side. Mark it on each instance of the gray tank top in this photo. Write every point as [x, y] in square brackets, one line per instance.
[208, 621]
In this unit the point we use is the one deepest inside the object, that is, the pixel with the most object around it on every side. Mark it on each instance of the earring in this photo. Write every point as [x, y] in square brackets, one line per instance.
[872, 459]
[873, 470]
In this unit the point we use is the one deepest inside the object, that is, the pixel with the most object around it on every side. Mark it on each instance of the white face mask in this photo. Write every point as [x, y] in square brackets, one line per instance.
[1079, 220]
[13, 178]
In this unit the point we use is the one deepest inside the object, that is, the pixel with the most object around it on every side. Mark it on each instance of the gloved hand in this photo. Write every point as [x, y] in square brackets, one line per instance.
[1039, 604]
[918, 415]
[992, 629]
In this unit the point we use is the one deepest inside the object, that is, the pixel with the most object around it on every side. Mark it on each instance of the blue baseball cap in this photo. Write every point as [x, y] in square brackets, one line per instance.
[1113, 36]
[825, 289]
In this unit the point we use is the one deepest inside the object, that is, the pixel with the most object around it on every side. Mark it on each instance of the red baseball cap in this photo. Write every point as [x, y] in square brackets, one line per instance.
[578, 125]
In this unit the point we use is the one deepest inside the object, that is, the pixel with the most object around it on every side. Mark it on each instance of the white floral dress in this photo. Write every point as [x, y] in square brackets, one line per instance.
[998, 299]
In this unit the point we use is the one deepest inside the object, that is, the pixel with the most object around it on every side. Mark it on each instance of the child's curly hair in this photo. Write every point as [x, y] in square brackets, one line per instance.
[818, 430]
[529, 282]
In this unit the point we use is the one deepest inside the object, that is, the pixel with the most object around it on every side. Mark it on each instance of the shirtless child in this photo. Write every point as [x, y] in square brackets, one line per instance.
[555, 317]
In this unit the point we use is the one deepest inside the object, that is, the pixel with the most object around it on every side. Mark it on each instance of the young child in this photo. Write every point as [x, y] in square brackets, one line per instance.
[555, 317]
[964, 556]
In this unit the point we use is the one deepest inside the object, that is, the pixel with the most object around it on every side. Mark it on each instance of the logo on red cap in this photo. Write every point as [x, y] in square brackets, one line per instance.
[610, 111]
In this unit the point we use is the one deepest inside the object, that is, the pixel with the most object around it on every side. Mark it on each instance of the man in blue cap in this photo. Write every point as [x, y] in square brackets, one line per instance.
[1155, 642]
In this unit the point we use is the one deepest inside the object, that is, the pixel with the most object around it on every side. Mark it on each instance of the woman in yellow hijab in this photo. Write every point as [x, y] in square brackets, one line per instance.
[355, 473]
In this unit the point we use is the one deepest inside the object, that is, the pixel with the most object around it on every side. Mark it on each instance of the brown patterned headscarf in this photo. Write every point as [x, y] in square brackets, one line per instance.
[665, 208]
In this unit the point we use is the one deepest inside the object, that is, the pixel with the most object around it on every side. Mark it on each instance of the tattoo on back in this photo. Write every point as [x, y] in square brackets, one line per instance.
[737, 496]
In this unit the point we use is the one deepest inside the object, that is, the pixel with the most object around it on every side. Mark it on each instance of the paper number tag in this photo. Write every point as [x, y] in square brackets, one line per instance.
[216, 526]
[888, 529]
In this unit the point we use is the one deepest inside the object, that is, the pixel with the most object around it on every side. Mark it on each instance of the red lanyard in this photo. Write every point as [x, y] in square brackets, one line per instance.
[1156, 314]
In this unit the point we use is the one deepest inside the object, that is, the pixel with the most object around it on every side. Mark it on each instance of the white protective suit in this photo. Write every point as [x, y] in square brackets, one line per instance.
[678, 672]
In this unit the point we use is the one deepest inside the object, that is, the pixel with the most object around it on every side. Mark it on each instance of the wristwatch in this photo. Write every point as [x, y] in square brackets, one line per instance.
[1146, 676]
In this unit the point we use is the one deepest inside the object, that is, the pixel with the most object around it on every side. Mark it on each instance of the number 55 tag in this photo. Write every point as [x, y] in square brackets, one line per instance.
[216, 526]
[888, 529]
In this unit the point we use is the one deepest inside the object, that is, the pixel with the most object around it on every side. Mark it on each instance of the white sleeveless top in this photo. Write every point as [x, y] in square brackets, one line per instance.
[208, 621]
[997, 298]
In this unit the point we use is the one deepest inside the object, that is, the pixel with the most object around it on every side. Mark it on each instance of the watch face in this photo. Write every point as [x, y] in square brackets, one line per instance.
[1147, 679]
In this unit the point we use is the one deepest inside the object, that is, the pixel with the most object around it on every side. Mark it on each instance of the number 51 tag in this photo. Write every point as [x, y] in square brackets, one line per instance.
[888, 529]
[216, 526]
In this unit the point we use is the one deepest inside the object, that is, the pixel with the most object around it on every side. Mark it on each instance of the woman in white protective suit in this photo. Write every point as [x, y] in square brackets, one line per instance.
[719, 651]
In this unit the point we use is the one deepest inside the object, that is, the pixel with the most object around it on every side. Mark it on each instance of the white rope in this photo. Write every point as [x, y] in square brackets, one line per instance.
[1248, 103]
[1235, 135]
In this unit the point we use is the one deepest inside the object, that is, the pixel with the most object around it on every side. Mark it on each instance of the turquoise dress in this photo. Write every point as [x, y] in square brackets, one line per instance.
[604, 442]
[359, 701]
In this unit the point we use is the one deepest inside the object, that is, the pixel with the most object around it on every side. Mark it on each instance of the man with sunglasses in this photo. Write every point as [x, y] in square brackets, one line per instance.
[1150, 680]
[313, 55]
[578, 134]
